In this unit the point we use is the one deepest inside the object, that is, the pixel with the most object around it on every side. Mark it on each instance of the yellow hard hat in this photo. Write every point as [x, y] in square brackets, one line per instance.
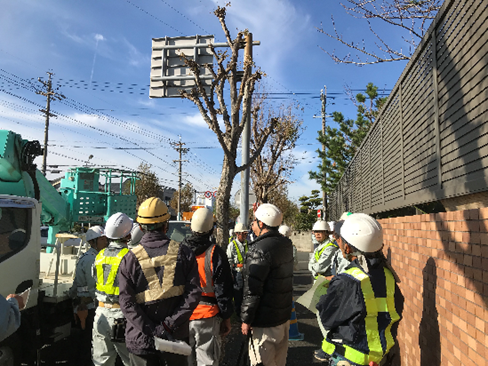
[152, 211]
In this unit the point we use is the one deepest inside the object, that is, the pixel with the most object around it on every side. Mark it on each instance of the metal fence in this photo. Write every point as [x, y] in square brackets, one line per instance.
[430, 141]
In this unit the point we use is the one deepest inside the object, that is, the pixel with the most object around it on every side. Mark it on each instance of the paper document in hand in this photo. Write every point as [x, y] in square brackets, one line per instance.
[310, 298]
[178, 347]
[25, 296]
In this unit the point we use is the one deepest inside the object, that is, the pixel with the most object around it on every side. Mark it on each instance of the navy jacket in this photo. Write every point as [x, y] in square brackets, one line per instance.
[342, 310]
[144, 321]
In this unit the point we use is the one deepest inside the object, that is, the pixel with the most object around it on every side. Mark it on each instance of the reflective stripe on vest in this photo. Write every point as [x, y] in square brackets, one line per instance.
[107, 267]
[157, 290]
[206, 309]
[374, 305]
[319, 252]
[240, 258]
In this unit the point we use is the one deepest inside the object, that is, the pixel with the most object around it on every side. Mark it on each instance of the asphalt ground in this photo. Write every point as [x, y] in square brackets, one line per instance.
[299, 352]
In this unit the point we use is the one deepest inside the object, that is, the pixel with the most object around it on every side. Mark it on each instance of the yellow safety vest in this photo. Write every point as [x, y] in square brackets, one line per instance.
[157, 290]
[240, 258]
[106, 284]
[374, 305]
[318, 253]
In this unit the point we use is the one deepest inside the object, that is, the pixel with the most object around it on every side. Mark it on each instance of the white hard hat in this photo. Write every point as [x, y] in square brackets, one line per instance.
[321, 226]
[94, 232]
[240, 228]
[345, 215]
[118, 226]
[285, 230]
[269, 214]
[363, 232]
[231, 232]
[136, 234]
[202, 221]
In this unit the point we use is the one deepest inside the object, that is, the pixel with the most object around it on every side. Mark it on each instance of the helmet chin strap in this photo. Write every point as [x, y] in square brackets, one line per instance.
[260, 229]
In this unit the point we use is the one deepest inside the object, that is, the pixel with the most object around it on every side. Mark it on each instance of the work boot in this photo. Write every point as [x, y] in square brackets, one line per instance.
[321, 355]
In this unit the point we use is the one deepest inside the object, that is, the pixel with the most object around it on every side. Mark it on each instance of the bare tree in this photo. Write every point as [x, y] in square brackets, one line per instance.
[272, 168]
[213, 104]
[187, 195]
[414, 16]
[147, 184]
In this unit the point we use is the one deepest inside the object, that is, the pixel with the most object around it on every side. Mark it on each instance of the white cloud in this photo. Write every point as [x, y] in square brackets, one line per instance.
[302, 187]
[99, 37]
[135, 57]
[278, 24]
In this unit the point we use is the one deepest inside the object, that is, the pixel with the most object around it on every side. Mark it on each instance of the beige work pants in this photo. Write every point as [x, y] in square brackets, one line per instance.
[270, 345]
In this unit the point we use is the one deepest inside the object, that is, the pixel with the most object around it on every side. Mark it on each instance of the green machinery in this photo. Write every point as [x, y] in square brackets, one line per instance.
[85, 195]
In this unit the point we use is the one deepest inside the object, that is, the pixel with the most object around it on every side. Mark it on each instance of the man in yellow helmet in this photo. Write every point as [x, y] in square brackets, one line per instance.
[159, 289]
[363, 304]
[109, 322]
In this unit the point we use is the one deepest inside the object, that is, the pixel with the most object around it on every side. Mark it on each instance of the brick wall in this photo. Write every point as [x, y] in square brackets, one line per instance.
[442, 260]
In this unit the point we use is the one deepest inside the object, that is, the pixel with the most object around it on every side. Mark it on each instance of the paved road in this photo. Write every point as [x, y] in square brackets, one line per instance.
[299, 352]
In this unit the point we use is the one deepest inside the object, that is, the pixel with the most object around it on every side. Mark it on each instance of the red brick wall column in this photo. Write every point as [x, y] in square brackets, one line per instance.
[442, 260]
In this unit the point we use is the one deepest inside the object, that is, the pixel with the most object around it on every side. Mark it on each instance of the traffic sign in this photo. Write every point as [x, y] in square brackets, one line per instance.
[208, 194]
[252, 198]
[319, 213]
[215, 194]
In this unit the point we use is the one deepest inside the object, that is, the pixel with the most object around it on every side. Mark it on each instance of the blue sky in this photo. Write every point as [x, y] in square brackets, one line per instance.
[100, 54]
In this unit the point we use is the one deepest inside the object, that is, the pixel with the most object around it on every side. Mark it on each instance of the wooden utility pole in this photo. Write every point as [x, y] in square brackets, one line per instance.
[49, 94]
[179, 147]
[323, 98]
[246, 137]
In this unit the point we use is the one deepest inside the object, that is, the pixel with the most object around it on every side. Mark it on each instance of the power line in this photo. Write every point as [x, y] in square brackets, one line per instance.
[184, 16]
[152, 16]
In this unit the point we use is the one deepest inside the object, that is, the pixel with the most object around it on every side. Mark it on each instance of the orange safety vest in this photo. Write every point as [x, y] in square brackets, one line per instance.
[207, 308]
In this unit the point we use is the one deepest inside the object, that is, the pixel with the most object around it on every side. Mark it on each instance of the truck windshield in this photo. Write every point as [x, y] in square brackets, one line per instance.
[178, 230]
[14, 230]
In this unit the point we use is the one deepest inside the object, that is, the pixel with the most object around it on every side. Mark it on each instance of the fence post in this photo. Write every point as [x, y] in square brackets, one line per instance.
[402, 140]
[437, 131]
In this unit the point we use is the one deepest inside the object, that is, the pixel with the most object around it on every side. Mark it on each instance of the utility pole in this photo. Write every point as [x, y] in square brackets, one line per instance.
[246, 137]
[49, 94]
[323, 98]
[181, 150]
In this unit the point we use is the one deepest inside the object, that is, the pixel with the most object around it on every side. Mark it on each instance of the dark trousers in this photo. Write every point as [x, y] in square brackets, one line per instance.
[82, 338]
[159, 359]
[238, 295]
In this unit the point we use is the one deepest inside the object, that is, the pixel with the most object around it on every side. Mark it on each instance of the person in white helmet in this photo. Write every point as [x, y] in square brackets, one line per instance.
[109, 323]
[136, 235]
[321, 260]
[211, 319]
[236, 253]
[363, 304]
[268, 289]
[83, 294]
[286, 232]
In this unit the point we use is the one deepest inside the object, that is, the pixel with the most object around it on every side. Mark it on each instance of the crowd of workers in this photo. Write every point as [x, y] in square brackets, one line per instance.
[135, 288]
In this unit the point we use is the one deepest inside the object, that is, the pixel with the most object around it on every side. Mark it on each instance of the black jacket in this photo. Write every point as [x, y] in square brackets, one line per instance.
[268, 281]
[144, 321]
[222, 275]
[342, 311]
